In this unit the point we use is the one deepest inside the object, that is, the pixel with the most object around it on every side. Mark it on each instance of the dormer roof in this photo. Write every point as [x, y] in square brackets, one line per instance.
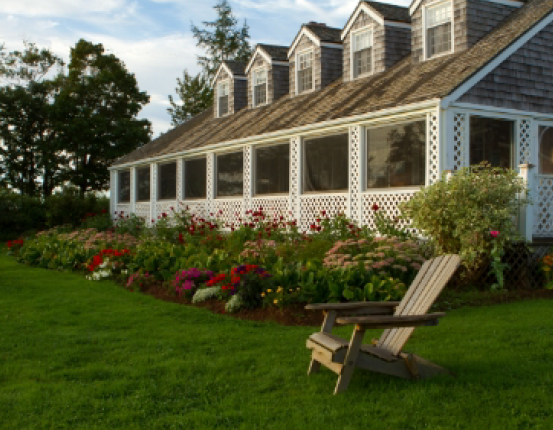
[273, 54]
[515, 3]
[235, 69]
[382, 13]
[319, 34]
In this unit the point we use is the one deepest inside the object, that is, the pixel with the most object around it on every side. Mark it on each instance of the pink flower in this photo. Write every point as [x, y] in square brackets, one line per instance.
[494, 233]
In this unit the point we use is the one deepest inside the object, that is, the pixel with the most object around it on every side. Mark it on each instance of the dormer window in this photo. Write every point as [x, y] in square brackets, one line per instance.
[438, 29]
[222, 98]
[304, 75]
[259, 87]
[362, 43]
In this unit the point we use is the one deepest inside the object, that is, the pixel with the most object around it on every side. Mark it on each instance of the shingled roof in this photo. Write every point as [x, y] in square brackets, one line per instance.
[325, 33]
[237, 69]
[390, 12]
[403, 84]
[277, 53]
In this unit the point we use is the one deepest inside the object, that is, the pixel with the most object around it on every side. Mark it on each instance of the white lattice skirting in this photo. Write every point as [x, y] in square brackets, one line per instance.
[228, 211]
[199, 209]
[125, 208]
[143, 211]
[543, 207]
[273, 207]
[312, 206]
[386, 202]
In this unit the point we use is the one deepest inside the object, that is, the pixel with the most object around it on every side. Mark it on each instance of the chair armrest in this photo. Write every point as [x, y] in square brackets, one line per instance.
[392, 321]
[350, 305]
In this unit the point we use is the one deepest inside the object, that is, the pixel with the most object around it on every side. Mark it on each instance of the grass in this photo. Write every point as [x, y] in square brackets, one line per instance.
[79, 354]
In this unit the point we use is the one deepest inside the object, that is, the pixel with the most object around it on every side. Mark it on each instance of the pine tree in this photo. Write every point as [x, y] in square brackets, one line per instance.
[196, 96]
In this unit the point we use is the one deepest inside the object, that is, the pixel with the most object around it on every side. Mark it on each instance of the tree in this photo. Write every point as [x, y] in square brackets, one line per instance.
[196, 96]
[224, 42]
[96, 113]
[29, 149]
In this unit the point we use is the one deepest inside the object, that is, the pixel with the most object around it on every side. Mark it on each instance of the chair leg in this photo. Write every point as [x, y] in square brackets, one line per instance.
[349, 361]
[328, 322]
[314, 366]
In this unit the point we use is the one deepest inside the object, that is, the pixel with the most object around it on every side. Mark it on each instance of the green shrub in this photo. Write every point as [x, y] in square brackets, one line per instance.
[471, 214]
[19, 214]
[67, 207]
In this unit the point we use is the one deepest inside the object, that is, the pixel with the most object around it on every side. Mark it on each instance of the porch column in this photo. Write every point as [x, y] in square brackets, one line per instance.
[210, 182]
[295, 178]
[153, 191]
[113, 192]
[133, 190]
[248, 179]
[356, 147]
[526, 223]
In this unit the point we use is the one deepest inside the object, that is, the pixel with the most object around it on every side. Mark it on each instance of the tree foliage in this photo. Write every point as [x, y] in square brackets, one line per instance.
[196, 96]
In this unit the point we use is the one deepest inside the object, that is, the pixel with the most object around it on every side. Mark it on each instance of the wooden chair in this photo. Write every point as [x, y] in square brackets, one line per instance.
[398, 318]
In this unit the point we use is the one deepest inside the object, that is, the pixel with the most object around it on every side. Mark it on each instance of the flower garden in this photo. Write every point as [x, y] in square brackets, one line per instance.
[264, 261]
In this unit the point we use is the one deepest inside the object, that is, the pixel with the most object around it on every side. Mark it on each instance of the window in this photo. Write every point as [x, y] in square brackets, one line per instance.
[325, 164]
[362, 53]
[125, 186]
[396, 155]
[259, 87]
[272, 169]
[167, 181]
[305, 72]
[230, 174]
[143, 184]
[223, 99]
[438, 29]
[195, 178]
[546, 150]
[491, 140]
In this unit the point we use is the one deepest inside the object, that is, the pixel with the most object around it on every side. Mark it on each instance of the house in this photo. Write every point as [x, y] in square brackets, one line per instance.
[347, 117]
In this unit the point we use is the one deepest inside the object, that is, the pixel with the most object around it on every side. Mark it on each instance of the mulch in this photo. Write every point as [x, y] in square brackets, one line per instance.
[296, 315]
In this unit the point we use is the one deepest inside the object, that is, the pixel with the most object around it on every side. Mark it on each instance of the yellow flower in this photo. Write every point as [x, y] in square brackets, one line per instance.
[275, 302]
[279, 289]
[297, 289]
[269, 291]
[547, 269]
[262, 294]
[290, 290]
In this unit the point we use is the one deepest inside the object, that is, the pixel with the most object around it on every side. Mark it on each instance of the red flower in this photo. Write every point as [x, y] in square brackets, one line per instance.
[375, 207]
[318, 220]
[181, 239]
[323, 213]
[164, 215]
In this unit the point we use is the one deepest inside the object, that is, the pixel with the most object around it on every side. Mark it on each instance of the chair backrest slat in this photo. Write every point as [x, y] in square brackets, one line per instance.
[423, 292]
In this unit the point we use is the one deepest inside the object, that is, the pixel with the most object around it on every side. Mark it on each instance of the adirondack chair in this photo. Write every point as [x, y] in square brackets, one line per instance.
[398, 318]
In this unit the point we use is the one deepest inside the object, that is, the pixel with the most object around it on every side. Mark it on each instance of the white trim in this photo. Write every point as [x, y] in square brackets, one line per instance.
[397, 24]
[296, 71]
[515, 113]
[369, 28]
[488, 68]
[254, 72]
[307, 33]
[227, 82]
[362, 7]
[240, 78]
[413, 8]
[332, 45]
[280, 63]
[408, 110]
[222, 66]
[258, 51]
[253, 172]
[425, 8]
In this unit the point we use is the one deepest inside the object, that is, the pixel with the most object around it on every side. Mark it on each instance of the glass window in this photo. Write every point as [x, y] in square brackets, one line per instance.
[546, 150]
[272, 169]
[362, 53]
[396, 155]
[260, 87]
[305, 72]
[325, 164]
[491, 140]
[223, 98]
[167, 181]
[125, 186]
[438, 29]
[230, 174]
[195, 178]
[143, 184]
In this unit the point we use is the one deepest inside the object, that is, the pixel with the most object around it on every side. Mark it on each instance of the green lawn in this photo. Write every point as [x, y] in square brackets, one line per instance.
[80, 354]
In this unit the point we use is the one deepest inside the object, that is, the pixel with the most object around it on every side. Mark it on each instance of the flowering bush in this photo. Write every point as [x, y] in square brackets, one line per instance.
[281, 297]
[15, 245]
[187, 281]
[107, 262]
[377, 289]
[547, 269]
[458, 214]
[140, 281]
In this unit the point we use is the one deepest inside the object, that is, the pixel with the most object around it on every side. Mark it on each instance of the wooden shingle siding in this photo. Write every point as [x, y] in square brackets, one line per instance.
[304, 44]
[240, 98]
[398, 44]
[331, 65]
[417, 53]
[524, 81]
[279, 80]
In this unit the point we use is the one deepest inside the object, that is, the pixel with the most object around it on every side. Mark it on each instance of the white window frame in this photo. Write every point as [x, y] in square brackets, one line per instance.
[142, 166]
[216, 175]
[219, 84]
[183, 182]
[296, 71]
[119, 172]
[254, 170]
[158, 181]
[369, 29]
[254, 74]
[425, 29]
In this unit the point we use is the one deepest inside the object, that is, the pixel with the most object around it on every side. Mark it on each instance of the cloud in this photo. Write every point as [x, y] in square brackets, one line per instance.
[60, 8]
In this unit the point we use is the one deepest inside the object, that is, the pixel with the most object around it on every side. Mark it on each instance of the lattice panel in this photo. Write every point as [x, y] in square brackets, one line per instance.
[273, 207]
[247, 177]
[355, 172]
[228, 211]
[388, 203]
[125, 208]
[543, 207]
[153, 190]
[459, 158]
[133, 189]
[143, 211]
[295, 159]
[179, 179]
[433, 145]
[112, 192]
[209, 180]
[311, 207]
[199, 209]
[524, 141]
[165, 207]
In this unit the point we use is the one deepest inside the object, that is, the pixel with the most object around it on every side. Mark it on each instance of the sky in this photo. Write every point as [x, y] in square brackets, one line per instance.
[153, 37]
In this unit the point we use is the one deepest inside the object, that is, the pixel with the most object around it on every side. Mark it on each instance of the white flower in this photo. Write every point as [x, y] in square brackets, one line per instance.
[96, 276]
[124, 272]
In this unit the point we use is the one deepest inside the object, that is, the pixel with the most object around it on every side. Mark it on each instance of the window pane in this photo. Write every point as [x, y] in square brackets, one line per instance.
[272, 169]
[438, 15]
[325, 166]
[230, 174]
[260, 92]
[223, 105]
[167, 182]
[491, 140]
[305, 80]
[546, 150]
[143, 184]
[125, 186]
[195, 178]
[439, 39]
[396, 155]
[362, 62]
